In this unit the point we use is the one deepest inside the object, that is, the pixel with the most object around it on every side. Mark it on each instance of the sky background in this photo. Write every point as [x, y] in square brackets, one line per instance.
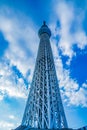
[20, 21]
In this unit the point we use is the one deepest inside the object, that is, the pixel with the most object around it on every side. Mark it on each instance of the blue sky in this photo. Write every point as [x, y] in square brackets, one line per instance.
[20, 21]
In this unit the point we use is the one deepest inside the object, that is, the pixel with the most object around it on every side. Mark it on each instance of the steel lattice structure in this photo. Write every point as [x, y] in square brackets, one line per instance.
[44, 107]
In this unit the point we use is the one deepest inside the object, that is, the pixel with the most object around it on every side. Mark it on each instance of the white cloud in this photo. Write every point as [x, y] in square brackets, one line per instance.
[70, 31]
[71, 92]
[12, 117]
[21, 52]
[81, 39]
[22, 38]
[8, 84]
[6, 125]
[84, 85]
[66, 16]
[1, 97]
[79, 97]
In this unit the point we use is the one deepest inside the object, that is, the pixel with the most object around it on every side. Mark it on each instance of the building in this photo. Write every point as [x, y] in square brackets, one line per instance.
[44, 108]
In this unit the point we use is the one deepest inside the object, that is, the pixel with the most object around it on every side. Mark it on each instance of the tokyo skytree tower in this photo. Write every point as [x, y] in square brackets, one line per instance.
[44, 108]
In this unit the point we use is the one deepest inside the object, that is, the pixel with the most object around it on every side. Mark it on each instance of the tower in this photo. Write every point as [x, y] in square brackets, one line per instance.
[44, 107]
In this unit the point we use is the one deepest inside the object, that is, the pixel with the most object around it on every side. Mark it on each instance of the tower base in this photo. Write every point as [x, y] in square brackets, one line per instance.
[28, 128]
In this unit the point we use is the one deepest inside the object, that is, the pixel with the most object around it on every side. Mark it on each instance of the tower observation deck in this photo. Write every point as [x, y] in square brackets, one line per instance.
[44, 108]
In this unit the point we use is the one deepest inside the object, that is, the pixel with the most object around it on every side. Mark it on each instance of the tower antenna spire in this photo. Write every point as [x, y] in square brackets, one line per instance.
[44, 22]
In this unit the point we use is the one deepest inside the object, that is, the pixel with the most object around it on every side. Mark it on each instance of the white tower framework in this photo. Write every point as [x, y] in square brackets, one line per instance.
[44, 107]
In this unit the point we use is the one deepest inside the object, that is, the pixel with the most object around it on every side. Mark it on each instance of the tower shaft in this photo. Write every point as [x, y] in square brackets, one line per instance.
[44, 107]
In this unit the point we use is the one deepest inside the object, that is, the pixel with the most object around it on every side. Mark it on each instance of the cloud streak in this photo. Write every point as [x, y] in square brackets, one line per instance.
[4, 125]
[22, 39]
[69, 33]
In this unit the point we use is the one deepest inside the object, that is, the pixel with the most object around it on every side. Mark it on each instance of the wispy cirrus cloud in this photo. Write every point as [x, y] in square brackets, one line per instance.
[71, 31]
[69, 87]
[10, 84]
[22, 38]
[21, 52]
[67, 31]
[5, 124]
